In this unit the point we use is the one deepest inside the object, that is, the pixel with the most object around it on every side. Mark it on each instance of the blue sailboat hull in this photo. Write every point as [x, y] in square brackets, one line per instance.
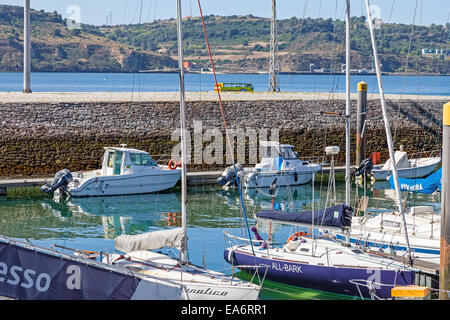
[324, 278]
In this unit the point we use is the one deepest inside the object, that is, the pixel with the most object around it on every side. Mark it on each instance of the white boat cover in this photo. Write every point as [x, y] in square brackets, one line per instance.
[401, 161]
[173, 238]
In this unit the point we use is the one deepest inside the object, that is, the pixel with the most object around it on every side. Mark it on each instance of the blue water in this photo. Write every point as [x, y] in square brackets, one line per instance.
[159, 82]
[93, 223]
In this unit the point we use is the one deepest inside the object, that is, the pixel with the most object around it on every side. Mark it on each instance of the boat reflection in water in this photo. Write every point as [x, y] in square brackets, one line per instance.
[120, 214]
[283, 197]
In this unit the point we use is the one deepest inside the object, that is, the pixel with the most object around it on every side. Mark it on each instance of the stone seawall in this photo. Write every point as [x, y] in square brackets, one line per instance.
[40, 138]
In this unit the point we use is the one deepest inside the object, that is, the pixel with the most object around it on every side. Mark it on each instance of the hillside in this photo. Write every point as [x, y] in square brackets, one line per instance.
[239, 44]
[57, 48]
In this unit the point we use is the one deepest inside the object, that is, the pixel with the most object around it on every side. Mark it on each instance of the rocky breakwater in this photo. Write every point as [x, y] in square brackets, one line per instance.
[38, 139]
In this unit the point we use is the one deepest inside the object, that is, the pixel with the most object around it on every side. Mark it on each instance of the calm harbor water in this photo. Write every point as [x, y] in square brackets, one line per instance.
[162, 82]
[93, 223]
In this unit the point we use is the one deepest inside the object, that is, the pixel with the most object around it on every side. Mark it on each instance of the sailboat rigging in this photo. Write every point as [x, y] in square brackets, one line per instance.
[200, 283]
[387, 129]
[321, 262]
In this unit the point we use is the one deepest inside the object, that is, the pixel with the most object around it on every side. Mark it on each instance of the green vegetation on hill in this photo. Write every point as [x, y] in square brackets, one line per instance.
[239, 44]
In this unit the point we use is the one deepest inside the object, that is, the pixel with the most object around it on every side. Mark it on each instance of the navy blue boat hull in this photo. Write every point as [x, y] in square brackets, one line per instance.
[32, 273]
[323, 278]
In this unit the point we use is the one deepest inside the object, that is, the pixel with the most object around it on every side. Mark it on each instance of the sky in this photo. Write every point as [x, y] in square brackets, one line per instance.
[99, 12]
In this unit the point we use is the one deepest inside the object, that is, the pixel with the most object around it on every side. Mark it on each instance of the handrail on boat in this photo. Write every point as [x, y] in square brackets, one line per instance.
[229, 243]
[430, 153]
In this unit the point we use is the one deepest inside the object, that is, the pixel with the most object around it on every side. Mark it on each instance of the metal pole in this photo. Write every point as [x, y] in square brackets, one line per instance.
[387, 129]
[347, 105]
[444, 274]
[183, 132]
[26, 48]
[360, 121]
[274, 84]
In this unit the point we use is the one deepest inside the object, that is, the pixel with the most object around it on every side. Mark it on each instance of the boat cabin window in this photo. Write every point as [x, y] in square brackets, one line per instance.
[115, 161]
[288, 153]
[270, 152]
[110, 159]
[389, 223]
[141, 159]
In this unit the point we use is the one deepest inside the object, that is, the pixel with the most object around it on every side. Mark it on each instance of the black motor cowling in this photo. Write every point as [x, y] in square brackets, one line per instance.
[60, 181]
[365, 167]
[228, 177]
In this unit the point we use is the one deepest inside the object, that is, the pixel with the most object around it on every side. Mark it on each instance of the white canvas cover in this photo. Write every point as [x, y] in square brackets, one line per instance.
[173, 238]
[401, 161]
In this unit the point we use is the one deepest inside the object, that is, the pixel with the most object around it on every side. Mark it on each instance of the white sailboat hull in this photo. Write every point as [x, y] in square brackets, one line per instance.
[386, 233]
[198, 283]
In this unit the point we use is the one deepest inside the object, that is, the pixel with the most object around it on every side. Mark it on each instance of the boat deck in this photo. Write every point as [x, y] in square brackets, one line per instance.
[425, 266]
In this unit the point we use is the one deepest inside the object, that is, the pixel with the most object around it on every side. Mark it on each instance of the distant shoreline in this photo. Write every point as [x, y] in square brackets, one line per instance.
[249, 72]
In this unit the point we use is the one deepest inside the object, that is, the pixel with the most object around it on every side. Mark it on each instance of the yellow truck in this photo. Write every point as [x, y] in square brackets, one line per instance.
[243, 87]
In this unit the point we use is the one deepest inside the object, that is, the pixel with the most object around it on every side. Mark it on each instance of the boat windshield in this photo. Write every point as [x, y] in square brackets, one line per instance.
[141, 159]
[288, 153]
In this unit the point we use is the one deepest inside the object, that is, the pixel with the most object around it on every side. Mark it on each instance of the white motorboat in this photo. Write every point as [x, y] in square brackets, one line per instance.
[124, 171]
[406, 168]
[279, 165]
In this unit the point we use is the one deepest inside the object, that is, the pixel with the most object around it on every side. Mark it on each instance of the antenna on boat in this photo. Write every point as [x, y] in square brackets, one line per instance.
[388, 129]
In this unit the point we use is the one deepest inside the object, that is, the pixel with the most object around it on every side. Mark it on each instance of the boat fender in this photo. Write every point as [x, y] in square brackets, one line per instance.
[231, 257]
[293, 244]
[295, 176]
[173, 164]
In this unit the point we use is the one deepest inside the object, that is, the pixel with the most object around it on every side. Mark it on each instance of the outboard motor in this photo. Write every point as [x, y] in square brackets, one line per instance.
[365, 167]
[228, 177]
[60, 181]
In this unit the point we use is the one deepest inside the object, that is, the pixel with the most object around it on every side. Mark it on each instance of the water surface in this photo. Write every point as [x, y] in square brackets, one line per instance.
[93, 223]
[162, 82]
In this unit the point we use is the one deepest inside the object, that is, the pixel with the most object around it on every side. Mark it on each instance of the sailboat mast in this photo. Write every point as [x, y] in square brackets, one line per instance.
[183, 132]
[387, 127]
[347, 105]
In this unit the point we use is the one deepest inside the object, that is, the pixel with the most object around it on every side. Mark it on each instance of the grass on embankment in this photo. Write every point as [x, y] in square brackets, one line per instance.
[26, 193]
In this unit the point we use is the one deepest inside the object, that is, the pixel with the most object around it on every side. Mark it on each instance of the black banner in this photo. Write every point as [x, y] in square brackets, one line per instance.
[28, 274]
